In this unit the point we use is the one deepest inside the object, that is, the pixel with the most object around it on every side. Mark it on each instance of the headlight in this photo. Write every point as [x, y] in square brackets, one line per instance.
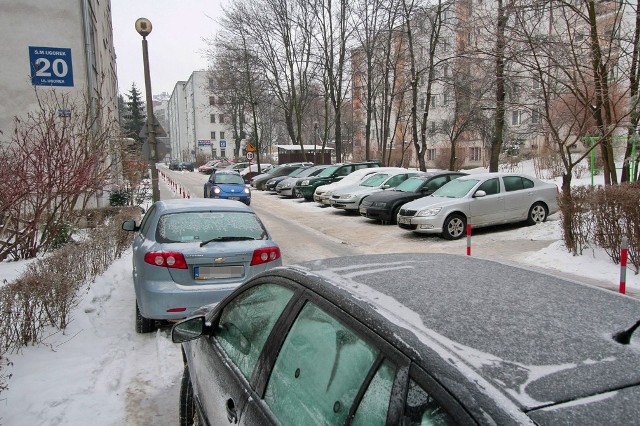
[305, 182]
[429, 212]
[216, 190]
[346, 196]
[247, 190]
[380, 204]
[326, 193]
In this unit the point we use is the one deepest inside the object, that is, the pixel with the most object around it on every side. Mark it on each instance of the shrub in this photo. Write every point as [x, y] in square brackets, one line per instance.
[44, 295]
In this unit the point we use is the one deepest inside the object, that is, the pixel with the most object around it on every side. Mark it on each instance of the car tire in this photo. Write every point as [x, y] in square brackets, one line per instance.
[144, 325]
[537, 214]
[454, 227]
[188, 413]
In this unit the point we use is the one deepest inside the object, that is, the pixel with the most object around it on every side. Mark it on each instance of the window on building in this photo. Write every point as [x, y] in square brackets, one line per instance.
[210, 82]
[535, 117]
[445, 98]
[212, 118]
[515, 118]
[475, 153]
[445, 70]
[433, 101]
[432, 126]
[221, 135]
[431, 154]
[212, 100]
[221, 118]
[213, 135]
[223, 153]
[535, 85]
[445, 45]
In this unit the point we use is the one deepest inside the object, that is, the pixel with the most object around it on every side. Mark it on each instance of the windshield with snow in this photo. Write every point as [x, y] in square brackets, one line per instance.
[457, 188]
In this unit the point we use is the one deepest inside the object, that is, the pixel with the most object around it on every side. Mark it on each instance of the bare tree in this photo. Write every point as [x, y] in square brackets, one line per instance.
[57, 159]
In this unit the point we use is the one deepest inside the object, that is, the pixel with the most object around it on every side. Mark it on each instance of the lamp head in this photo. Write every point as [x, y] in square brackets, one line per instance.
[143, 26]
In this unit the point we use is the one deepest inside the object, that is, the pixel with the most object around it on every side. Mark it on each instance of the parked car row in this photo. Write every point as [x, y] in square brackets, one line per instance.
[438, 202]
[181, 165]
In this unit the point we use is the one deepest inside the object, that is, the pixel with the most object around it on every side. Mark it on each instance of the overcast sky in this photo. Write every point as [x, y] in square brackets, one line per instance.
[175, 44]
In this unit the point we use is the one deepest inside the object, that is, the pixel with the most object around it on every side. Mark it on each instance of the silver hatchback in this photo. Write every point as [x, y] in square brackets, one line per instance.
[191, 252]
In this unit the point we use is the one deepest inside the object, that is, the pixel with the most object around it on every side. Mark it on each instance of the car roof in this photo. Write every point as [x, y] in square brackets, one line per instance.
[227, 172]
[534, 338]
[176, 205]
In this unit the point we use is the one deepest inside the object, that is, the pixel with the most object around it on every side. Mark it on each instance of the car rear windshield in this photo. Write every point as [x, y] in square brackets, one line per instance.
[204, 226]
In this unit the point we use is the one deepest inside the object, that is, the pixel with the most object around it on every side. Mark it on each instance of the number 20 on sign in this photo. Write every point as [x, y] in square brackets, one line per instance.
[50, 66]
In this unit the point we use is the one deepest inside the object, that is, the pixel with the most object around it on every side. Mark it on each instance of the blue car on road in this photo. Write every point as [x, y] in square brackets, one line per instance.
[227, 184]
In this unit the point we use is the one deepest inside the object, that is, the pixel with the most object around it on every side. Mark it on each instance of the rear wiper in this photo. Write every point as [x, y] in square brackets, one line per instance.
[624, 336]
[227, 238]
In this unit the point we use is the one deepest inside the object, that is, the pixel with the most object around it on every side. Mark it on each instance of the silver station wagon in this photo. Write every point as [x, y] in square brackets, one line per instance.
[192, 252]
[482, 199]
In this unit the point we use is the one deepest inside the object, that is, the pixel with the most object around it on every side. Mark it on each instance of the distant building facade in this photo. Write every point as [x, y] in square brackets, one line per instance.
[197, 122]
[55, 45]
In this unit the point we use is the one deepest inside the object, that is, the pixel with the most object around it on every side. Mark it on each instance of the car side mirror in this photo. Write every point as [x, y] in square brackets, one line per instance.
[479, 194]
[130, 225]
[188, 329]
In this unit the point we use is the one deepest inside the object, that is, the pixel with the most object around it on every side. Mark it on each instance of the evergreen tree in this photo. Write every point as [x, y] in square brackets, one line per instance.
[135, 117]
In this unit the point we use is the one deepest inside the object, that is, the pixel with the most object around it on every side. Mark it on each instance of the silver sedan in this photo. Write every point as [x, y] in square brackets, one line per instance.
[480, 200]
[191, 252]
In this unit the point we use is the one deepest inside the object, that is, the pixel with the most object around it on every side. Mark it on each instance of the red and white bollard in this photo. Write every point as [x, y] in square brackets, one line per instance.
[624, 253]
[468, 239]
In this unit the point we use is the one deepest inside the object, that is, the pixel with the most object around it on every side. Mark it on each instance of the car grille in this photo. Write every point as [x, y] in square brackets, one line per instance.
[404, 212]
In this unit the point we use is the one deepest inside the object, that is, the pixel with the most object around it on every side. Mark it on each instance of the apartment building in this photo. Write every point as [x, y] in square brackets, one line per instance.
[461, 99]
[198, 123]
[55, 45]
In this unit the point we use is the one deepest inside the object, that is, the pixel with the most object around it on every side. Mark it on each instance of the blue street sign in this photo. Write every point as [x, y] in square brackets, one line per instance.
[223, 143]
[50, 66]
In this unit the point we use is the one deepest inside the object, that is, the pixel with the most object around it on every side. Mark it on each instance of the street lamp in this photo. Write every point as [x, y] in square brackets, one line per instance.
[143, 27]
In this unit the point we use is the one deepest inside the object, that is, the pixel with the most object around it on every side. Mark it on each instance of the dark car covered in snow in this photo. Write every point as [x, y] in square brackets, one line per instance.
[412, 339]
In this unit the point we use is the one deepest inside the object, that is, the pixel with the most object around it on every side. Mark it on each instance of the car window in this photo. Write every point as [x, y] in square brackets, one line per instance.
[203, 226]
[436, 183]
[512, 183]
[375, 180]
[319, 370]
[422, 410]
[491, 186]
[229, 178]
[344, 170]
[396, 180]
[527, 183]
[246, 322]
[374, 406]
[146, 222]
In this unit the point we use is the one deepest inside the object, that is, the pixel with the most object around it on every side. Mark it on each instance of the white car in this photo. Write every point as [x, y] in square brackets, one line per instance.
[483, 199]
[322, 194]
[350, 197]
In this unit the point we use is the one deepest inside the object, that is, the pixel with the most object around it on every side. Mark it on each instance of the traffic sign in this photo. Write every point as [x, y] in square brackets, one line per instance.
[251, 148]
[250, 156]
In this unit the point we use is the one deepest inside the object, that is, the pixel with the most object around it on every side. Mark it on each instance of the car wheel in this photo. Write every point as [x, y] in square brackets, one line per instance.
[188, 413]
[144, 325]
[537, 214]
[296, 193]
[454, 227]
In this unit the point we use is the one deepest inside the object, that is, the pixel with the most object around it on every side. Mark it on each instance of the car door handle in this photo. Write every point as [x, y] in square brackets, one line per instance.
[232, 416]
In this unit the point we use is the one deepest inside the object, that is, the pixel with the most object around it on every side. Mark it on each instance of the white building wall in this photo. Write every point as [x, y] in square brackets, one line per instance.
[83, 26]
[193, 129]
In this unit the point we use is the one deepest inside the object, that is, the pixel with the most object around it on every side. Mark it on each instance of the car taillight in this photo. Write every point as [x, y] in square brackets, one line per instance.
[265, 255]
[167, 259]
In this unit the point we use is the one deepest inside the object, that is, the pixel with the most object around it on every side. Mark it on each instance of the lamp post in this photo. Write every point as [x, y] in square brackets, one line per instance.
[143, 27]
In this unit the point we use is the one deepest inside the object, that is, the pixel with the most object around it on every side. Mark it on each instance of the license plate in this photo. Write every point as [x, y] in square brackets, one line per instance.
[211, 272]
[235, 198]
[405, 220]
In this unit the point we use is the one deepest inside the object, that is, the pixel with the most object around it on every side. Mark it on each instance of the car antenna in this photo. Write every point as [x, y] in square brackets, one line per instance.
[624, 336]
